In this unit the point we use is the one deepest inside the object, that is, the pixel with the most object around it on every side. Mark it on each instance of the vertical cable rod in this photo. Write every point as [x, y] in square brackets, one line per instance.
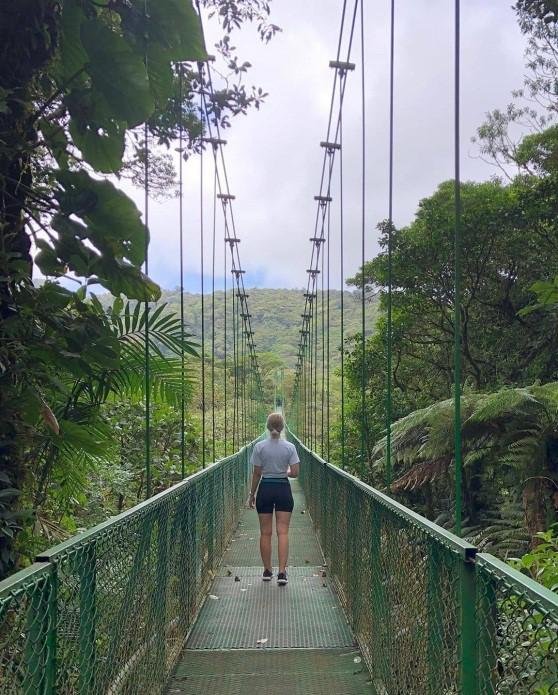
[202, 267]
[181, 244]
[213, 254]
[233, 321]
[315, 290]
[225, 339]
[148, 483]
[457, 280]
[342, 282]
[363, 424]
[389, 346]
[328, 324]
[323, 357]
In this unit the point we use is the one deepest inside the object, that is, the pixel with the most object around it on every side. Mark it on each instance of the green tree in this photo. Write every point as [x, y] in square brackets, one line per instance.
[82, 85]
[510, 448]
[509, 240]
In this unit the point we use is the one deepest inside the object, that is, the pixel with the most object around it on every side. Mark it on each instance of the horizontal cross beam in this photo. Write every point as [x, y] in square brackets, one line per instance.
[341, 65]
[330, 145]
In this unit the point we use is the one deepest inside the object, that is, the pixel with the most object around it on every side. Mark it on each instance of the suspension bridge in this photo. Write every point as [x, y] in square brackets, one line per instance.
[167, 596]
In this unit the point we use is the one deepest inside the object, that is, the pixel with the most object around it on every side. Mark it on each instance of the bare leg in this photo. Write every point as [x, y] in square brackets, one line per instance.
[266, 528]
[282, 521]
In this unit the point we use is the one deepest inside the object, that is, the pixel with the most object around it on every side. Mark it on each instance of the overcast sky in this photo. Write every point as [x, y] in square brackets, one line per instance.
[273, 155]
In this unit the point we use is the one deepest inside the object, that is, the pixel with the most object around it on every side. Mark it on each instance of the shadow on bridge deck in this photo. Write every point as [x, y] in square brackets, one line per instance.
[256, 637]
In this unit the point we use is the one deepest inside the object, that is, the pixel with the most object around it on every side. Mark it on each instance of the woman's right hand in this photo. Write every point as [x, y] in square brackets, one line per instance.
[252, 501]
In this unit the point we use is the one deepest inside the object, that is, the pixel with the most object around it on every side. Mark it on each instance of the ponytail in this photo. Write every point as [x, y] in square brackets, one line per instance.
[275, 425]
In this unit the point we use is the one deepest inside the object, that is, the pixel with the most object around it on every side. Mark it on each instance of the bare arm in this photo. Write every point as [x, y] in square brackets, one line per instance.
[293, 470]
[256, 475]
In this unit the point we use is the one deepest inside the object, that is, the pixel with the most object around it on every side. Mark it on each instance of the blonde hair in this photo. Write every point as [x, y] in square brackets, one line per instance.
[275, 424]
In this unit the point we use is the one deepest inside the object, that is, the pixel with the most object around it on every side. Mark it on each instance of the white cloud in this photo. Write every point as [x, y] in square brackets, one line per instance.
[274, 158]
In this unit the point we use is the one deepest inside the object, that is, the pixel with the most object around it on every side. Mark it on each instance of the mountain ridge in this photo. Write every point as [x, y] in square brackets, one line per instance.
[275, 316]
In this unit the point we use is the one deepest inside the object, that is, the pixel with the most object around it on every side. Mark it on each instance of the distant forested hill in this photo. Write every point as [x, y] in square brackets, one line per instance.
[276, 319]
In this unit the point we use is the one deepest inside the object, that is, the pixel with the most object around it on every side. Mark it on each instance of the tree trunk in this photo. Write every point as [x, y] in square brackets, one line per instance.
[538, 506]
[28, 39]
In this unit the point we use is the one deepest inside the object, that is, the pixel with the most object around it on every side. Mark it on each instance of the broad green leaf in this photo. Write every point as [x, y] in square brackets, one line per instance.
[113, 221]
[73, 55]
[118, 73]
[175, 26]
[130, 281]
[101, 147]
[160, 73]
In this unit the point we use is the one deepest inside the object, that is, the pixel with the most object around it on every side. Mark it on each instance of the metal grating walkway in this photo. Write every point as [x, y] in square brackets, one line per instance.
[256, 637]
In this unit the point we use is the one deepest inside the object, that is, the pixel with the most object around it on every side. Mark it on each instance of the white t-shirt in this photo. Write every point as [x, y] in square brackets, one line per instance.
[274, 456]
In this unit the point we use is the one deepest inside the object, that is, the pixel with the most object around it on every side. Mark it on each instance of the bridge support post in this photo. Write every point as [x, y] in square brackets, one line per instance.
[87, 570]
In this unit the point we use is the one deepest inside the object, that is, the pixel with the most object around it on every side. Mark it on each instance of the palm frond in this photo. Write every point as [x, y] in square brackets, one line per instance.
[167, 382]
[166, 345]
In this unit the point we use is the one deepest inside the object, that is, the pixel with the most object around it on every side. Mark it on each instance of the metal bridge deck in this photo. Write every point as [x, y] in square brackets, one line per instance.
[256, 637]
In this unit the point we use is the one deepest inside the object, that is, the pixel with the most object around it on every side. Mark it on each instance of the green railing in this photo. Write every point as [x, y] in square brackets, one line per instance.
[109, 610]
[431, 614]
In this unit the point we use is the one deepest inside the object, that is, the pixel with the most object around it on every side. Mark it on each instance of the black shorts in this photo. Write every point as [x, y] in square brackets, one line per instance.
[274, 495]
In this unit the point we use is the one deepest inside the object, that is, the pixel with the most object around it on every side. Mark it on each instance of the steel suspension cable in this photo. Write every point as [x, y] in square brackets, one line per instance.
[181, 244]
[330, 148]
[389, 337]
[233, 321]
[148, 484]
[328, 324]
[213, 253]
[315, 368]
[224, 194]
[202, 117]
[238, 383]
[363, 431]
[457, 280]
[244, 402]
[342, 280]
[323, 357]
[225, 365]
[343, 14]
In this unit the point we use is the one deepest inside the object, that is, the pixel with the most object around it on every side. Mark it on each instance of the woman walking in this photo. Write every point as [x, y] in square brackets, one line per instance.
[275, 461]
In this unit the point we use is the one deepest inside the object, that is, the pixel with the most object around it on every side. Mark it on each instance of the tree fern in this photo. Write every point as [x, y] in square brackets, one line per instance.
[506, 438]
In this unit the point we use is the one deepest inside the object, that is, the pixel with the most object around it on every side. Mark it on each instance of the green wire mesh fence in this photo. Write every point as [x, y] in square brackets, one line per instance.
[109, 611]
[431, 614]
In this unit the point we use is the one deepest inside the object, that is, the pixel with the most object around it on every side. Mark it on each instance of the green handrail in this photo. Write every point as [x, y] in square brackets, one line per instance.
[109, 610]
[430, 613]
